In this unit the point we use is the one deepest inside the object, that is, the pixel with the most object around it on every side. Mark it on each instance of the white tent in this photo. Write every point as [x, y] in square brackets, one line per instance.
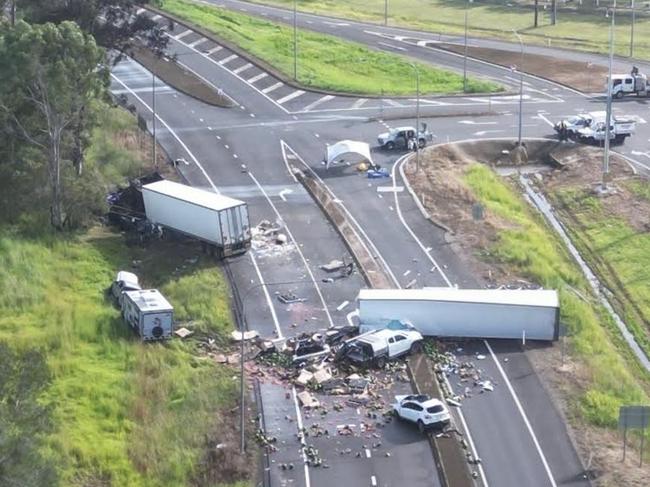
[359, 149]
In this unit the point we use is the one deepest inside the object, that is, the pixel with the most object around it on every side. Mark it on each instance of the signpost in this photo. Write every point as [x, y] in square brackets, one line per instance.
[634, 417]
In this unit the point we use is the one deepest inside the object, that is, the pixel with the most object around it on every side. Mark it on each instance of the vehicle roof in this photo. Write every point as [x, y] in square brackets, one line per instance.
[149, 300]
[621, 76]
[200, 197]
[381, 335]
[128, 278]
[519, 297]
[399, 129]
[423, 400]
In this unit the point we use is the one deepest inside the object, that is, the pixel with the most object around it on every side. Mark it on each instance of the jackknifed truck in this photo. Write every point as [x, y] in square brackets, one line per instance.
[464, 313]
[219, 221]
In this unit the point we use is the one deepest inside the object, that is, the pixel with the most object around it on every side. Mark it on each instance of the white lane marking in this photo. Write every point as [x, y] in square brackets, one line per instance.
[390, 189]
[213, 50]
[264, 287]
[271, 88]
[320, 101]
[351, 315]
[431, 102]
[342, 305]
[256, 78]
[290, 96]
[228, 59]
[336, 24]
[373, 481]
[516, 80]
[300, 429]
[283, 192]
[367, 453]
[199, 42]
[392, 103]
[359, 103]
[472, 122]
[386, 44]
[171, 131]
[400, 163]
[365, 241]
[302, 256]
[182, 34]
[542, 117]
[242, 68]
[523, 414]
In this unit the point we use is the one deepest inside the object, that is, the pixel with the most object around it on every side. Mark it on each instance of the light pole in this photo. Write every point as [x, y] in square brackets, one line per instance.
[632, 30]
[417, 117]
[153, 109]
[608, 116]
[465, 52]
[295, 40]
[243, 327]
[521, 84]
[385, 12]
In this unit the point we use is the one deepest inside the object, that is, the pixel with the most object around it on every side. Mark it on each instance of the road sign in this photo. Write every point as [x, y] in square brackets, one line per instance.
[633, 417]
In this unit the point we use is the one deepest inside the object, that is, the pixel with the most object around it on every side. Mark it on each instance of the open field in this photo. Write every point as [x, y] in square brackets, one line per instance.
[121, 412]
[324, 62]
[584, 29]
[512, 242]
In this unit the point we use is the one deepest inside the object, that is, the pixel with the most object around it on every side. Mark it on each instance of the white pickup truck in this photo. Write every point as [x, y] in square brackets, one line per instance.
[590, 128]
[379, 346]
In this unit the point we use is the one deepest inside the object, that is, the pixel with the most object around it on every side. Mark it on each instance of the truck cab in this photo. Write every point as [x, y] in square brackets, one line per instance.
[633, 83]
[379, 346]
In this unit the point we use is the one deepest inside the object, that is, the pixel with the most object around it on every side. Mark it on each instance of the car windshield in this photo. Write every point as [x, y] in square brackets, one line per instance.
[575, 120]
[435, 409]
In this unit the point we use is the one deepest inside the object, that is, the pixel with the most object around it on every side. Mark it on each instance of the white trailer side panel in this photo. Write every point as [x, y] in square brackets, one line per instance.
[455, 318]
[182, 216]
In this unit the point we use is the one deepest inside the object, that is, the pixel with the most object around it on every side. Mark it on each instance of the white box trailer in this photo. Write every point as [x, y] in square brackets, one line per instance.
[470, 313]
[213, 218]
[149, 314]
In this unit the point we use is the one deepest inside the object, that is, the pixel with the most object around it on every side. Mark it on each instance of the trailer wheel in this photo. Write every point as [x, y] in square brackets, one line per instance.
[380, 362]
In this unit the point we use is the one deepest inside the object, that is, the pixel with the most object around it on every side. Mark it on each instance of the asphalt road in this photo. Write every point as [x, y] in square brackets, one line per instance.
[244, 152]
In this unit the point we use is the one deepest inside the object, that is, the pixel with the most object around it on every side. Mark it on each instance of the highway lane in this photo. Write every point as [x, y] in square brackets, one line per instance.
[315, 242]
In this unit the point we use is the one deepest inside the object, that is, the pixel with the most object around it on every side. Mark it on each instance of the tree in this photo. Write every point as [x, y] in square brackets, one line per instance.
[114, 23]
[24, 418]
[48, 76]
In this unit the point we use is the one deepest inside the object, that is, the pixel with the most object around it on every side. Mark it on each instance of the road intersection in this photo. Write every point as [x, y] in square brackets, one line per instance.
[245, 151]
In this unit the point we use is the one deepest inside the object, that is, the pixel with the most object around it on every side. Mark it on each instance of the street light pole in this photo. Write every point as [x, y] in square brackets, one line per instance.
[632, 30]
[295, 40]
[385, 12]
[153, 109]
[417, 117]
[608, 116]
[521, 84]
[465, 52]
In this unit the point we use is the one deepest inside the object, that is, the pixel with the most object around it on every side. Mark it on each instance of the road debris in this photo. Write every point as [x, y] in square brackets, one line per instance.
[290, 298]
[183, 332]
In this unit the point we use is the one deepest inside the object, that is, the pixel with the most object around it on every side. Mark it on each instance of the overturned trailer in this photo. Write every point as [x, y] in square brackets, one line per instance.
[464, 313]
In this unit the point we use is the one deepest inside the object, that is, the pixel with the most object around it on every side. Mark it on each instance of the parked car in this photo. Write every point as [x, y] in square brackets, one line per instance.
[377, 347]
[397, 138]
[422, 410]
[125, 281]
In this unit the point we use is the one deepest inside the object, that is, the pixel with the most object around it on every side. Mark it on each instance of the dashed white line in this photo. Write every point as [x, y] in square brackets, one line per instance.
[393, 103]
[271, 88]
[182, 34]
[242, 68]
[359, 103]
[213, 50]
[386, 44]
[199, 42]
[228, 59]
[318, 102]
[257, 78]
[290, 96]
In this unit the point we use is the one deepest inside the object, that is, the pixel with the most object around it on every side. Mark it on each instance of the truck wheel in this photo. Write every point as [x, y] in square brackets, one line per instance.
[416, 348]
[421, 426]
[380, 362]
[619, 94]
[389, 145]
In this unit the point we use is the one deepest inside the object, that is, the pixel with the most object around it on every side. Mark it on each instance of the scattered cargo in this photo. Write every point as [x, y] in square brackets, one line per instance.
[217, 220]
[464, 313]
[149, 314]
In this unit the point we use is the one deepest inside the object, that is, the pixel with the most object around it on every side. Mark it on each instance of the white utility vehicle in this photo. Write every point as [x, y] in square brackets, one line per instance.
[398, 138]
[634, 83]
[421, 410]
[125, 281]
[377, 347]
[590, 127]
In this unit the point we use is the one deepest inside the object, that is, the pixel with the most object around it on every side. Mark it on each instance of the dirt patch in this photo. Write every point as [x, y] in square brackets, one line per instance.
[585, 77]
[176, 76]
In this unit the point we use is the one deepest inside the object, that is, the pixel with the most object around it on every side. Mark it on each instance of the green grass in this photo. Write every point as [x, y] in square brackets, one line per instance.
[583, 29]
[324, 62]
[126, 413]
[618, 252]
[529, 247]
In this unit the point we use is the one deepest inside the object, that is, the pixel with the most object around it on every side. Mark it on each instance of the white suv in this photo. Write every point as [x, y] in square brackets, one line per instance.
[421, 410]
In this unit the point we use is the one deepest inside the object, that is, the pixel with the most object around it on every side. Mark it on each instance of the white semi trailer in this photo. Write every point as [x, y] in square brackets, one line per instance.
[464, 313]
[210, 217]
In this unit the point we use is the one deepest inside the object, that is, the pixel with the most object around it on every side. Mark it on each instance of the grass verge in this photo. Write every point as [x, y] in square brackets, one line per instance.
[577, 28]
[122, 412]
[526, 246]
[324, 62]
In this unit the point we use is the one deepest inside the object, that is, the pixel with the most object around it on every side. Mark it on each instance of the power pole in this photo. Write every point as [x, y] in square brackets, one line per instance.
[536, 11]
[554, 20]
[465, 53]
[632, 30]
[153, 109]
[295, 40]
[608, 116]
[521, 85]
[385, 12]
